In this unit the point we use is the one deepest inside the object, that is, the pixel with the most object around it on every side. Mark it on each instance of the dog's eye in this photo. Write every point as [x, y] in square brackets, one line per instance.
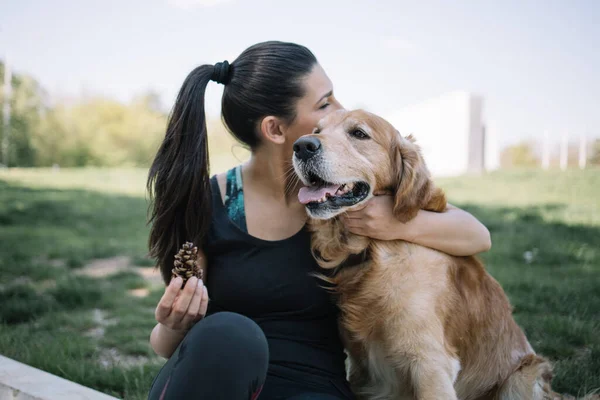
[316, 131]
[359, 134]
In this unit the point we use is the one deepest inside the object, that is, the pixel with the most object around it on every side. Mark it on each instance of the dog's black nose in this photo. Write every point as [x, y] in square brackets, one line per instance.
[307, 147]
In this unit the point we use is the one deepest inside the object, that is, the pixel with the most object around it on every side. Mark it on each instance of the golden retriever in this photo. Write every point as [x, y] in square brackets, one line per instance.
[417, 323]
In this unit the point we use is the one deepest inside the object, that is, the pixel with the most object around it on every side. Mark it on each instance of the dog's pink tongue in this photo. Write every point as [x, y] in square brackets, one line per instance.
[311, 193]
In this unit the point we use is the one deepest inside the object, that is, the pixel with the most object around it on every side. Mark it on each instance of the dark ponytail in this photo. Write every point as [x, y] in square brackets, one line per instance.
[266, 79]
[178, 181]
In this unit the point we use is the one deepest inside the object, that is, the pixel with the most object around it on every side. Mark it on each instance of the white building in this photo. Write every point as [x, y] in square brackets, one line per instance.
[451, 132]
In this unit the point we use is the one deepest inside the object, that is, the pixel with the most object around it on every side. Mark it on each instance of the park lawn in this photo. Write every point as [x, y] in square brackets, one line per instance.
[545, 230]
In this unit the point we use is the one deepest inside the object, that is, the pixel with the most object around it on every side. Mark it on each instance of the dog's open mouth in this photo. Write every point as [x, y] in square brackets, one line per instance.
[321, 192]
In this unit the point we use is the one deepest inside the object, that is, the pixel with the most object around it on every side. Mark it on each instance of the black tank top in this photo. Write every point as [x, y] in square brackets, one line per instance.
[270, 282]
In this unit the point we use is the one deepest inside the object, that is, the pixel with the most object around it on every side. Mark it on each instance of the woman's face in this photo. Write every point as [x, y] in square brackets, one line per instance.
[318, 101]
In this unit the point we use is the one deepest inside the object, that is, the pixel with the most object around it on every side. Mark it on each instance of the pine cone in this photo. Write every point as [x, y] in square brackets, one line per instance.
[186, 263]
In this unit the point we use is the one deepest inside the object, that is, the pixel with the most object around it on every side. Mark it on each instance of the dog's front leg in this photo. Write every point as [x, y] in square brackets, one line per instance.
[425, 367]
[433, 377]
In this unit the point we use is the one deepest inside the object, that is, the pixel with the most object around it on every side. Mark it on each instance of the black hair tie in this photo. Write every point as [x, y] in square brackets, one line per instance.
[220, 73]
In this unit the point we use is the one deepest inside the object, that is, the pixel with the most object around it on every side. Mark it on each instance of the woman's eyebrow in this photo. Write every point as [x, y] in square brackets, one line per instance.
[326, 95]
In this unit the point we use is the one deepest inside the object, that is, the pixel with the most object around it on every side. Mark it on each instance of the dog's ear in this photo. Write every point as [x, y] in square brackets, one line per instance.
[413, 188]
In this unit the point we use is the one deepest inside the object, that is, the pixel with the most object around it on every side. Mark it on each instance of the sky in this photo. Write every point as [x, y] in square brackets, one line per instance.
[535, 62]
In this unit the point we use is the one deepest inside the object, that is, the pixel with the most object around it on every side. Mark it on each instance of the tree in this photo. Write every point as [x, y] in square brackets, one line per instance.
[102, 132]
[519, 155]
[28, 107]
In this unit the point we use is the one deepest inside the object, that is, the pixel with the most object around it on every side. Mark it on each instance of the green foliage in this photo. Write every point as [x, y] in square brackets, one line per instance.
[519, 155]
[101, 132]
[93, 131]
[90, 131]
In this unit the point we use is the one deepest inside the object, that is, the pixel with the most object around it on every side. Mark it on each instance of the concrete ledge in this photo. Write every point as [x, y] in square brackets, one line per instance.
[22, 382]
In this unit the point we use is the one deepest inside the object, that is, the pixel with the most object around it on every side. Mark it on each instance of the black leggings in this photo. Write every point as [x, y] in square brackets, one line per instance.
[224, 356]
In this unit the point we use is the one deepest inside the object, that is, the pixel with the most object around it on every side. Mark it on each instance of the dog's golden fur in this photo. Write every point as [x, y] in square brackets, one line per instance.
[417, 323]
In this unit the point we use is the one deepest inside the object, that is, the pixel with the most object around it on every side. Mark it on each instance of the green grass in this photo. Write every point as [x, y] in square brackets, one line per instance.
[53, 223]
[555, 217]
[48, 230]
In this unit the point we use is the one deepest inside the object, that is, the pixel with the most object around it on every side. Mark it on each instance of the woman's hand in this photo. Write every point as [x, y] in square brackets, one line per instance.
[178, 310]
[375, 220]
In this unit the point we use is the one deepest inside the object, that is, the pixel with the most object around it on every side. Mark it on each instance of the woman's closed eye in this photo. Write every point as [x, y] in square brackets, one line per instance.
[324, 106]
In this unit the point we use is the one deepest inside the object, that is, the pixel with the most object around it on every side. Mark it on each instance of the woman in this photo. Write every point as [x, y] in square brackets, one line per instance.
[270, 329]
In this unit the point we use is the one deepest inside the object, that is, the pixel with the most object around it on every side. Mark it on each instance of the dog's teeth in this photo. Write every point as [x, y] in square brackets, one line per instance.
[350, 186]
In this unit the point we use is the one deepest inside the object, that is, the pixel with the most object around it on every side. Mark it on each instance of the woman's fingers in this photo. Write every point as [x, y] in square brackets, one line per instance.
[165, 305]
[182, 303]
[194, 308]
[203, 304]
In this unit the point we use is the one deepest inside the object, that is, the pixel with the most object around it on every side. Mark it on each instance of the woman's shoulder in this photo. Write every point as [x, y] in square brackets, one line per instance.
[221, 179]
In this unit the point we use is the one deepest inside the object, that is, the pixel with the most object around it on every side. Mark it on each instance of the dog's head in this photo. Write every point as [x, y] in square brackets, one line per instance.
[353, 154]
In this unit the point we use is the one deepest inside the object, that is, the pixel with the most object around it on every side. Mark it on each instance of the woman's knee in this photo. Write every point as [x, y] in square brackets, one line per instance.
[227, 335]
[225, 355]
[233, 326]
[233, 323]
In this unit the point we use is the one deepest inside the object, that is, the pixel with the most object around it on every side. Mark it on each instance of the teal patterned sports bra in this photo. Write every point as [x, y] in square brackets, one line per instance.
[234, 198]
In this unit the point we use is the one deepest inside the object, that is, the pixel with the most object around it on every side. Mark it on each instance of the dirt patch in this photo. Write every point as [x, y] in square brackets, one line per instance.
[99, 318]
[111, 357]
[19, 280]
[103, 267]
[141, 292]
[46, 284]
